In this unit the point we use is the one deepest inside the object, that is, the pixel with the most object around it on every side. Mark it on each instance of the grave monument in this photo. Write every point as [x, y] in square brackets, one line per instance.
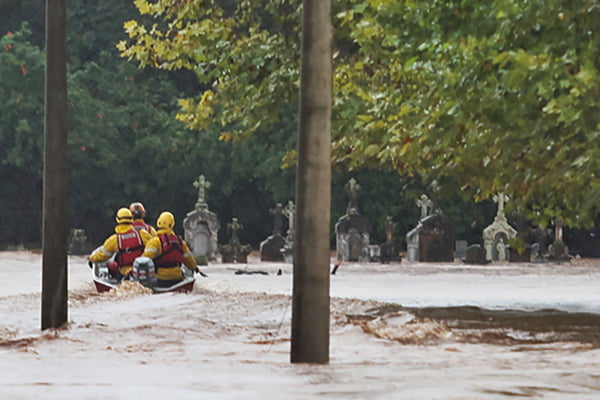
[201, 226]
[389, 252]
[558, 250]
[353, 231]
[433, 239]
[497, 235]
[234, 251]
[271, 248]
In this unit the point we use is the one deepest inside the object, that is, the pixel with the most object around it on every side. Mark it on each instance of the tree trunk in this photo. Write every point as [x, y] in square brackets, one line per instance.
[310, 299]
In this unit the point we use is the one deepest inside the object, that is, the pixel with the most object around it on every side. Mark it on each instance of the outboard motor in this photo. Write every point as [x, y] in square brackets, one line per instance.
[144, 271]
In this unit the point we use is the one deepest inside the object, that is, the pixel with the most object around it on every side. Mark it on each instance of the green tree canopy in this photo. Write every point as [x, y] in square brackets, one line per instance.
[498, 96]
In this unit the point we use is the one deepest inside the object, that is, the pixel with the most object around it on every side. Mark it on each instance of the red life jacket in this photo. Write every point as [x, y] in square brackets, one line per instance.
[140, 224]
[130, 245]
[172, 251]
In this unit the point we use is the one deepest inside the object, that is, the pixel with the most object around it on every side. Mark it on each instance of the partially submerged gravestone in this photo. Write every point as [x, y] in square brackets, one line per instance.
[497, 235]
[388, 251]
[271, 248]
[234, 251]
[475, 254]
[353, 231]
[558, 250]
[436, 239]
[460, 249]
[201, 226]
[78, 243]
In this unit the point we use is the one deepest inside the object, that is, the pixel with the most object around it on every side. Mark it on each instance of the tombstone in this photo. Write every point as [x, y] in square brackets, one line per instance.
[234, 251]
[460, 249]
[475, 254]
[201, 226]
[271, 248]
[558, 250]
[353, 231]
[288, 247]
[535, 254]
[78, 243]
[497, 235]
[388, 251]
[412, 237]
[436, 239]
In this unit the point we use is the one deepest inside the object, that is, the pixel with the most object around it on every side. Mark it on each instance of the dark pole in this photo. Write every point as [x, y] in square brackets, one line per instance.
[54, 224]
[310, 298]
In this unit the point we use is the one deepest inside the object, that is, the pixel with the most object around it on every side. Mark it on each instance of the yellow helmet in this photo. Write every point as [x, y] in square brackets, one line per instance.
[165, 220]
[124, 216]
[137, 209]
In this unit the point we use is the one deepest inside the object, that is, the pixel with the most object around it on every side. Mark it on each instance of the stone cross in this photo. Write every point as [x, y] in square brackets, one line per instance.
[352, 188]
[277, 212]
[202, 184]
[389, 226]
[425, 204]
[234, 226]
[558, 229]
[290, 213]
[501, 199]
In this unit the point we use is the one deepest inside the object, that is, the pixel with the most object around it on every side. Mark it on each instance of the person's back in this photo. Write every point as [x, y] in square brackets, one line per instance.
[169, 251]
[139, 214]
[126, 244]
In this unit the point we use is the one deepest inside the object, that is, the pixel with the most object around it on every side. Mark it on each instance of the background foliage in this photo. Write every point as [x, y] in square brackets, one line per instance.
[480, 97]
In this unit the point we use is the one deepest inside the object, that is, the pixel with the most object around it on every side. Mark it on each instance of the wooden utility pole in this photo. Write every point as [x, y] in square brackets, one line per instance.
[54, 224]
[310, 298]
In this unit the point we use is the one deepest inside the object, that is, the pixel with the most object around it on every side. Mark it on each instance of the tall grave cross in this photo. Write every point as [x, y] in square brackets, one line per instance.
[352, 188]
[277, 212]
[234, 226]
[202, 184]
[389, 226]
[559, 224]
[501, 199]
[425, 204]
[290, 213]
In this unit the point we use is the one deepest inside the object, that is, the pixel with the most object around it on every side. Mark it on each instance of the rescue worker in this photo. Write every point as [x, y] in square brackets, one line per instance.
[169, 251]
[126, 244]
[139, 215]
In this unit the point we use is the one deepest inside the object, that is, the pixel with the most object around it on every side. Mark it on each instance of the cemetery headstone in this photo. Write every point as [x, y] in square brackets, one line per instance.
[436, 239]
[475, 254]
[460, 251]
[78, 243]
[234, 251]
[353, 230]
[497, 235]
[558, 250]
[271, 248]
[388, 250]
[201, 226]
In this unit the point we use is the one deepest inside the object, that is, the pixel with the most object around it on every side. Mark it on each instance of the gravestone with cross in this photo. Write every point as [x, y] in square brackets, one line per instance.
[234, 251]
[425, 205]
[389, 251]
[201, 226]
[353, 231]
[497, 235]
[558, 251]
[271, 247]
